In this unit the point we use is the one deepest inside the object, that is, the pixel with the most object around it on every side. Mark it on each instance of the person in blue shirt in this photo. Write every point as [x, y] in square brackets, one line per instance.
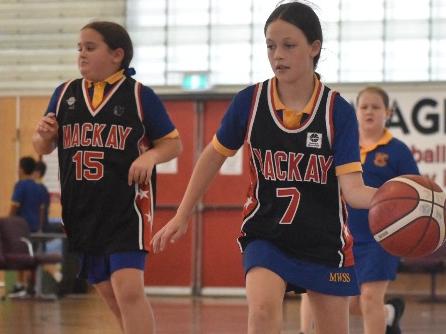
[383, 157]
[28, 201]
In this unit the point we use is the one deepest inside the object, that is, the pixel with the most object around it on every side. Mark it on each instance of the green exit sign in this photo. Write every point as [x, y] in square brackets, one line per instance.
[195, 81]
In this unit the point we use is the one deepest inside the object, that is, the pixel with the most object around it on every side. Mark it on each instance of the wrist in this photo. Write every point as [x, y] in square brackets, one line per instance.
[150, 156]
[183, 215]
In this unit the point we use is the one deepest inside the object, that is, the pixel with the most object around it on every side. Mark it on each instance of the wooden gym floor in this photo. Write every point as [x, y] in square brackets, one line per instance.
[181, 315]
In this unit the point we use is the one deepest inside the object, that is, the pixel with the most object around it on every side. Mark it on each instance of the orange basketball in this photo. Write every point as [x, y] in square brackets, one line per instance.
[407, 216]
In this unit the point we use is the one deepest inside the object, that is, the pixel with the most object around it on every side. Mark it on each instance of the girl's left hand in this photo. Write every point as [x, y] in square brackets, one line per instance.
[140, 170]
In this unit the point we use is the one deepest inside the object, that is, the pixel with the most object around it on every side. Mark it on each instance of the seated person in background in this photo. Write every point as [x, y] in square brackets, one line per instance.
[28, 202]
[27, 198]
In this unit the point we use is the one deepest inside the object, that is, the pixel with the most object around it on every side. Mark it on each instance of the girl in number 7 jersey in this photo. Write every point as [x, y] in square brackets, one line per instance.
[304, 164]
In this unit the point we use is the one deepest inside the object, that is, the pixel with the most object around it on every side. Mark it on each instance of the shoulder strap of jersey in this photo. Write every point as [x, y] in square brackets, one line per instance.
[254, 105]
[329, 115]
[137, 92]
[62, 93]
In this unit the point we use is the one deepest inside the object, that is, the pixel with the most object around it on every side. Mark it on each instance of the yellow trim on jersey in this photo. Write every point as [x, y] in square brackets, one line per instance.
[171, 135]
[292, 117]
[99, 87]
[98, 93]
[222, 149]
[351, 167]
[385, 139]
[115, 77]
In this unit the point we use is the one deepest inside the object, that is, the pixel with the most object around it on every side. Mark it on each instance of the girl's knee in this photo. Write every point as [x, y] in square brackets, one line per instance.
[128, 287]
[369, 296]
[370, 301]
[130, 296]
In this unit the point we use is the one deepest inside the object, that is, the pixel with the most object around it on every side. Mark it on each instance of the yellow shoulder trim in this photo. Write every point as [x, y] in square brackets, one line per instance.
[222, 149]
[171, 135]
[349, 168]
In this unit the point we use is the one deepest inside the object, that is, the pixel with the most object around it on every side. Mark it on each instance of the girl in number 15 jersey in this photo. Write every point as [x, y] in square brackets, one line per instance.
[110, 131]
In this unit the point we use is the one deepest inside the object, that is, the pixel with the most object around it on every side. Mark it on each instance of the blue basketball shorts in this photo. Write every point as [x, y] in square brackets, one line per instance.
[373, 263]
[99, 268]
[300, 275]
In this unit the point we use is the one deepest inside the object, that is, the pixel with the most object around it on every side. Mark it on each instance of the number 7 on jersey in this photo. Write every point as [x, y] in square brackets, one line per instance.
[290, 212]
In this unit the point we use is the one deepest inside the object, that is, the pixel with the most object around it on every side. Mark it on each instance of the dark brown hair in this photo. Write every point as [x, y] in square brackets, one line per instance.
[303, 17]
[115, 36]
[27, 164]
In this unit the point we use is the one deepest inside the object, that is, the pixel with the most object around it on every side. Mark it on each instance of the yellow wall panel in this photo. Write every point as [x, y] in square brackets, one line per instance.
[31, 110]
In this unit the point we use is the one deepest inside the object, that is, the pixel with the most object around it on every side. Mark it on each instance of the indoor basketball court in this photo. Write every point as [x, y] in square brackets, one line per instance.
[188, 315]
[196, 55]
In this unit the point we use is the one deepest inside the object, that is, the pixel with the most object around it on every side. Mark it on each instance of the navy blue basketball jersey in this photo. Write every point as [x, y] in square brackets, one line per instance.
[101, 213]
[294, 198]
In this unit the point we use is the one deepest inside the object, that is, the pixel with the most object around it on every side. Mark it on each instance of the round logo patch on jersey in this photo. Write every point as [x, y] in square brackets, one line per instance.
[71, 101]
[314, 139]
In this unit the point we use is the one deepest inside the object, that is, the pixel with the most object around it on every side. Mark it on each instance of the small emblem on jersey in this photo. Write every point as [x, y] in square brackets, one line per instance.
[248, 202]
[118, 110]
[71, 101]
[314, 139]
[381, 159]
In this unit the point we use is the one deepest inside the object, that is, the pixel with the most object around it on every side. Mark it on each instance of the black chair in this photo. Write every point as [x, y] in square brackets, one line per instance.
[433, 264]
[17, 250]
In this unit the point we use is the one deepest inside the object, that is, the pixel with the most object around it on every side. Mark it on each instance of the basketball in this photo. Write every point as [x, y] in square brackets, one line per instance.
[407, 216]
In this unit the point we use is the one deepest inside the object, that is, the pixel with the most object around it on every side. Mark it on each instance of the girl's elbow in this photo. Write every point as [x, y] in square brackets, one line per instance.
[350, 201]
[354, 205]
[357, 202]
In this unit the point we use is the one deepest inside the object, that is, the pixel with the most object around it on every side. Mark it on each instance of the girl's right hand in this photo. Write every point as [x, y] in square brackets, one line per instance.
[48, 127]
[171, 232]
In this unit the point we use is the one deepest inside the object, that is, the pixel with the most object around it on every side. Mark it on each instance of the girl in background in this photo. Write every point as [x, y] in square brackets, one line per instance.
[383, 157]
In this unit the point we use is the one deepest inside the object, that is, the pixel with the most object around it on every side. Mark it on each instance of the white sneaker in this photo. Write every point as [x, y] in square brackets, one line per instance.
[18, 294]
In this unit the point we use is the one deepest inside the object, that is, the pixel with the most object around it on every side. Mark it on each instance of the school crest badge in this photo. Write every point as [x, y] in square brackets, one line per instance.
[381, 159]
